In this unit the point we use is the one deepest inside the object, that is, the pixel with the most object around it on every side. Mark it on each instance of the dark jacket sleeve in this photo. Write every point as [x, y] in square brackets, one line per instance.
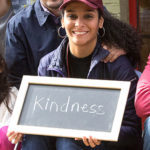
[43, 66]
[15, 52]
[130, 131]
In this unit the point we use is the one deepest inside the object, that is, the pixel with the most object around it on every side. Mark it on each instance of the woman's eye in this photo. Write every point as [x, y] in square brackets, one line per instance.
[72, 17]
[88, 16]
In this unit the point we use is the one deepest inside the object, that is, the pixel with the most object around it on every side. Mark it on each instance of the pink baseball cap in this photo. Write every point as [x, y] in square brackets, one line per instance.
[95, 4]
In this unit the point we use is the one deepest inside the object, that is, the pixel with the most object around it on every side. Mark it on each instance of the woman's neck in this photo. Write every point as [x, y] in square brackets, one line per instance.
[81, 51]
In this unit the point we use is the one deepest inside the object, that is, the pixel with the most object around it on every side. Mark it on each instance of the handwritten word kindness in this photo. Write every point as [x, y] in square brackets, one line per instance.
[46, 104]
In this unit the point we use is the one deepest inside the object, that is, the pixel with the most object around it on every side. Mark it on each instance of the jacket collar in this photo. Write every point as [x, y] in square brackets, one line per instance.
[42, 15]
[99, 54]
[58, 61]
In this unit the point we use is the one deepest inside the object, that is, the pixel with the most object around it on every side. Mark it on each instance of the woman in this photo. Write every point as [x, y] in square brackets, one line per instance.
[7, 101]
[79, 56]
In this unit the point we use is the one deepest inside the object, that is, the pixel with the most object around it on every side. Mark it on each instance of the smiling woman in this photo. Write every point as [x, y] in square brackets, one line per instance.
[81, 24]
[80, 55]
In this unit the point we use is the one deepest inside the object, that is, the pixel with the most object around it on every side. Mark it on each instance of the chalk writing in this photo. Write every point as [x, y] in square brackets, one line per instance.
[47, 104]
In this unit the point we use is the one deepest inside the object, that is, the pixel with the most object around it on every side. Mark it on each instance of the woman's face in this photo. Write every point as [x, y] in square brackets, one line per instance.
[81, 23]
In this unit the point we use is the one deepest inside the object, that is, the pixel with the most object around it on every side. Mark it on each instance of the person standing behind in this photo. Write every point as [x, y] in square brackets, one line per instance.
[142, 103]
[31, 34]
[6, 12]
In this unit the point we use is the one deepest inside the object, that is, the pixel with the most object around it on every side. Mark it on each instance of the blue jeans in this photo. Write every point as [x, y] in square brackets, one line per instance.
[71, 144]
[35, 142]
[146, 145]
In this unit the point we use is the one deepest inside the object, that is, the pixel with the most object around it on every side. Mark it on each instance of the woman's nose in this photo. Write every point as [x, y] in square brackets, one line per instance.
[79, 22]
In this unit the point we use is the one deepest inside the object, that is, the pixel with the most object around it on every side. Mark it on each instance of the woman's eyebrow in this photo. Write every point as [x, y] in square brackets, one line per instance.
[70, 10]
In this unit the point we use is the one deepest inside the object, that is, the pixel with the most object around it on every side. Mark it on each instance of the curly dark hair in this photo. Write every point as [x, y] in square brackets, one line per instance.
[121, 35]
[4, 85]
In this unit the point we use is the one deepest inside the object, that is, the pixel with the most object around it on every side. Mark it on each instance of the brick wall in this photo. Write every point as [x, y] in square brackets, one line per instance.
[118, 8]
[113, 7]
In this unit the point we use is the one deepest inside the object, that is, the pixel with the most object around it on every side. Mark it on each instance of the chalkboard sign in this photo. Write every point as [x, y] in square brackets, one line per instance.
[70, 107]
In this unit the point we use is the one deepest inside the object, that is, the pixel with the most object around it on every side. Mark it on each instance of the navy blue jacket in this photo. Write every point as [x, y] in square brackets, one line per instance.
[31, 34]
[54, 64]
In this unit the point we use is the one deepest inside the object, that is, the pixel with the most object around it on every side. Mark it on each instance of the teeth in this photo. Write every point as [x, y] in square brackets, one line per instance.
[80, 32]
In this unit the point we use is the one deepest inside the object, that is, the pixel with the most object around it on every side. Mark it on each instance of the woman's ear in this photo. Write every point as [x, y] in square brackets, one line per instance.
[101, 22]
[62, 23]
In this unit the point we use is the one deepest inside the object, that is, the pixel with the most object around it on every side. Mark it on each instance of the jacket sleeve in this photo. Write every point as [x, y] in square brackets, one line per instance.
[44, 65]
[15, 55]
[142, 100]
[42, 68]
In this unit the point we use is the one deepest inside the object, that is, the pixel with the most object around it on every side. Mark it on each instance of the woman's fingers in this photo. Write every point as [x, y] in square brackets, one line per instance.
[115, 52]
[14, 137]
[85, 141]
[96, 141]
[92, 142]
[10, 133]
[18, 138]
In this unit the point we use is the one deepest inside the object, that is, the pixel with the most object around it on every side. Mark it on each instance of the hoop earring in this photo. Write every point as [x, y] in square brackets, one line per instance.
[103, 32]
[59, 31]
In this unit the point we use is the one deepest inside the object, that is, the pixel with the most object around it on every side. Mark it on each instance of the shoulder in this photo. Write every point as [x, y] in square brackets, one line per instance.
[4, 113]
[120, 63]
[48, 58]
[22, 17]
[54, 56]
[45, 62]
[122, 60]
[52, 59]
[121, 69]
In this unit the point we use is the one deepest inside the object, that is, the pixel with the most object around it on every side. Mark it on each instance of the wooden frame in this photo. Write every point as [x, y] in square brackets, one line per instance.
[123, 86]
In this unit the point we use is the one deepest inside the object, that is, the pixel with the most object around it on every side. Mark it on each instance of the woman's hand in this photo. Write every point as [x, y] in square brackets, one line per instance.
[114, 53]
[14, 137]
[92, 142]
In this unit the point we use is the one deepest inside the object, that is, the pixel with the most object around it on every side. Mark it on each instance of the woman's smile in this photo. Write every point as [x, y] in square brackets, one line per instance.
[79, 32]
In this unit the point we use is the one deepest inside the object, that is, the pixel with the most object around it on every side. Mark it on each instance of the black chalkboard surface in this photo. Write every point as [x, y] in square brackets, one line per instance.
[70, 107]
